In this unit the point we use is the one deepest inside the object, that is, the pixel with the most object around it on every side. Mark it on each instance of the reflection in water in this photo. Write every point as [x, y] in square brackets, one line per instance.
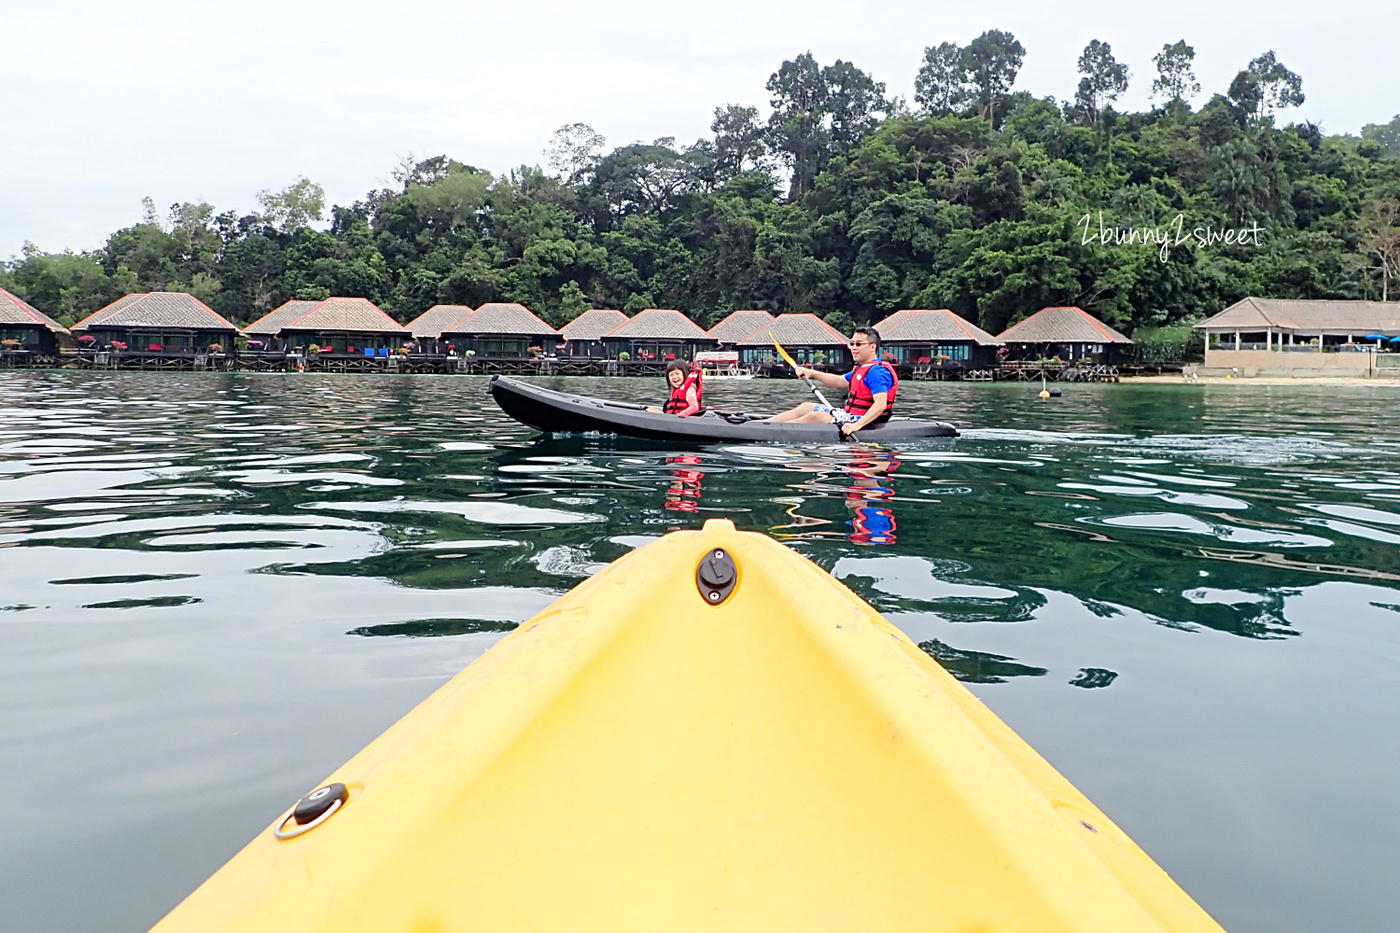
[870, 497]
[191, 566]
[684, 493]
[978, 667]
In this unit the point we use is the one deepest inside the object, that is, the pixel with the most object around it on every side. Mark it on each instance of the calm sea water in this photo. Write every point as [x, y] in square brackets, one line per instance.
[216, 588]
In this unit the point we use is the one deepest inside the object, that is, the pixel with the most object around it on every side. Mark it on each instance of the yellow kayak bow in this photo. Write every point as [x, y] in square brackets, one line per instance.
[710, 734]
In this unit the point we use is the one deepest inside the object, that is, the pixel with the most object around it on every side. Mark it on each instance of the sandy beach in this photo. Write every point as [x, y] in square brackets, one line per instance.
[1176, 378]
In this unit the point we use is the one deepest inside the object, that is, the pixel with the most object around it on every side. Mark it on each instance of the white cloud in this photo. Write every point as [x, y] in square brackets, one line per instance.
[106, 103]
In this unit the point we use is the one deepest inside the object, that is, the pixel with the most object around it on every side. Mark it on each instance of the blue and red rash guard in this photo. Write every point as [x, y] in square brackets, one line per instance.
[867, 381]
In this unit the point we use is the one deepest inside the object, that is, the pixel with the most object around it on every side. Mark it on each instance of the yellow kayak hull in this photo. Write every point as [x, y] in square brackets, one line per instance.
[636, 758]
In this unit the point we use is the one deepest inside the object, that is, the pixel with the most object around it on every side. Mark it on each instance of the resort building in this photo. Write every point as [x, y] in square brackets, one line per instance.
[501, 329]
[263, 333]
[26, 329]
[354, 326]
[1302, 337]
[156, 322]
[583, 336]
[658, 334]
[807, 339]
[936, 338]
[739, 325]
[1069, 333]
[427, 327]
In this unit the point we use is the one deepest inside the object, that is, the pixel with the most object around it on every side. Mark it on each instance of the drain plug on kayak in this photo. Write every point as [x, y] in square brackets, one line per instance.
[716, 576]
[313, 810]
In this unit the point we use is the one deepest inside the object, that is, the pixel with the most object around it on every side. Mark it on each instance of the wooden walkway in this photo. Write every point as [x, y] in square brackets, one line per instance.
[424, 363]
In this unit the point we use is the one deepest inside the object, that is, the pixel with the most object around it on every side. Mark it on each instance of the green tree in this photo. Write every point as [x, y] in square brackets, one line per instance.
[1176, 80]
[1104, 81]
[295, 206]
[943, 85]
[1387, 134]
[993, 60]
[573, 150]
[1266, 87]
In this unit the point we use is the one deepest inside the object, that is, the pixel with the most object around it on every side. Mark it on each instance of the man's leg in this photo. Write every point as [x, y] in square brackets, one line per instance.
[793, 414]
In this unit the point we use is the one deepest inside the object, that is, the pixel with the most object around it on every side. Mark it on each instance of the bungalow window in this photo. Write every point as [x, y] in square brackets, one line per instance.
[955, 351]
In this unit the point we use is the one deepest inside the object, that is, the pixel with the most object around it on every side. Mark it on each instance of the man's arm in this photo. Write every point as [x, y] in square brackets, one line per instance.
[831, 380]
[877, 408]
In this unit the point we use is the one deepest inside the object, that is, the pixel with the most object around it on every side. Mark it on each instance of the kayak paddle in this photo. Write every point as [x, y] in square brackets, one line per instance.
[793, 363]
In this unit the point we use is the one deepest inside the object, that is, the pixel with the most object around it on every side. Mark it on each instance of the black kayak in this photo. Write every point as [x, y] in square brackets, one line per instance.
[562, 413]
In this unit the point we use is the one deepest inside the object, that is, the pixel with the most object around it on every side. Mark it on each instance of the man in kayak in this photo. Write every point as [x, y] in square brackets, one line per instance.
[872, 388]
[687, 390]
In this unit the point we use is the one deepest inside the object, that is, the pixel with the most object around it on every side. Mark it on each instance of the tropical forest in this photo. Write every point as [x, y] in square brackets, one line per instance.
[834, 198]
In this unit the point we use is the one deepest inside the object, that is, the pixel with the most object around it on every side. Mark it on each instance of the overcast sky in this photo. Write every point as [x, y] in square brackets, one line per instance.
[105, 103]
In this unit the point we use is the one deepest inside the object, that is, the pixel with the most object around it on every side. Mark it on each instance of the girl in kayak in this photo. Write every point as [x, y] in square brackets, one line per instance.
[687, 390]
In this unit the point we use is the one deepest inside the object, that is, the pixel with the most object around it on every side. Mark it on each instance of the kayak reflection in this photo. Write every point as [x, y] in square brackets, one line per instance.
[684, 494]
[869, 496]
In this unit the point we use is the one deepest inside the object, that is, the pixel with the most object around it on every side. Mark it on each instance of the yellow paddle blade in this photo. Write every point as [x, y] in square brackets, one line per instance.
[781, 352]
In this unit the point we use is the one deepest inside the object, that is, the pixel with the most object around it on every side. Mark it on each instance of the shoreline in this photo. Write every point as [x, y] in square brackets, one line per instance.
[1176, 379]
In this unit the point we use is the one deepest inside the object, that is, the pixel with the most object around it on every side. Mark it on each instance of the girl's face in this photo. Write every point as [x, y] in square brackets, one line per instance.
[675, 377]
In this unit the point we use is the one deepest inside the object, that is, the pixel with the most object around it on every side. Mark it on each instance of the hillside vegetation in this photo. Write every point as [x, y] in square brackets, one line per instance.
[837, 199]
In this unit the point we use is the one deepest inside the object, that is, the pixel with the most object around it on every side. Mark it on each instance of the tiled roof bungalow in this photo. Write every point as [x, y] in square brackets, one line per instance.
[157, 322]
[501, 329]
[263, 333]
[26, 329]
[1070, 333]
[354, 326]
[1298, 337]
[583, 336]
[807, 339]
[936, 337]
[658, 334]
[427, 327]
[739, 325]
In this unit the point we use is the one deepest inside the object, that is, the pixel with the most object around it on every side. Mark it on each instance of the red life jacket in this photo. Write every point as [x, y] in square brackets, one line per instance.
[678, 402]
[860, 399]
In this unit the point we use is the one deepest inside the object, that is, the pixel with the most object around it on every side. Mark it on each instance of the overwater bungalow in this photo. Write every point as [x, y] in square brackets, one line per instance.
[25, 329]
[739, 325]
[806, 337]
[427, 327]
[352, 326]
[936, 338]
[1072, 334]
[264, 333]
[583, 336]
[163, 323]
[1301, 337]
[658, 334]
[501, 329]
